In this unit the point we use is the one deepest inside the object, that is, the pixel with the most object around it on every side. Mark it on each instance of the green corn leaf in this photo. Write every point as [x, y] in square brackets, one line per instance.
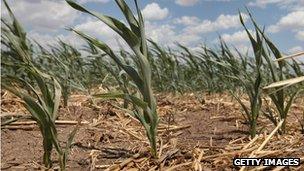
[291, 99]
[131, 71]
[56, 99]
[129, 16]
[242, 104]
[69, 145]
[143, 46]
[115, 24]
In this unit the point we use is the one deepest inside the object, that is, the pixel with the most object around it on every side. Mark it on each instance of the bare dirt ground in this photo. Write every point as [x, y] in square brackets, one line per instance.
[194, 133]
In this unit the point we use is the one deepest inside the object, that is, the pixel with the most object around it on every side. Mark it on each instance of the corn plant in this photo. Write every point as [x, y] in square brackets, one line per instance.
[98, 74]
[190, 72]
[164, 62]
[282, 98]
[143, 101]
[298, 78]
[69, 67]
[249, 79]
[283, 84]
[256, 86]
[121, 78]
[40, 93]
[43, 109]
[208, 70]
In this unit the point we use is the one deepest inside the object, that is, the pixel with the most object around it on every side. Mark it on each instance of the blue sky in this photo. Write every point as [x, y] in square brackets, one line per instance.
[189, 22]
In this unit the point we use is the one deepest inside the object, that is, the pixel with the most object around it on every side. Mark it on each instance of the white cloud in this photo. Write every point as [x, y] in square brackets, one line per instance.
[186, 2]
[47, 39]
[243, 49]
[238, 40]
[43, 15]
[221, 23]
[187, 20]
[87, 1]
[293, 20]
[154, 12]
[284, 4]
[156, 32]
[273, 29]
[295, 49]
[193, 28]
[300, 35]
[263, 3]
[228, 21]
[237, 37]
[96, 28]
[217, 0]
[193, 2]
[101, 31]
[90, 26]
[42, 39]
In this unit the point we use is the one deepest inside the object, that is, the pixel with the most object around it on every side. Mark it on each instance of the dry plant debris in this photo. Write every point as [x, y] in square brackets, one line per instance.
[110, 139]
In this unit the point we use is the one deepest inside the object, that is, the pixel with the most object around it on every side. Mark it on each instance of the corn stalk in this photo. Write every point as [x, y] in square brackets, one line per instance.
[40, 93]
[282, 98]
[143, 102]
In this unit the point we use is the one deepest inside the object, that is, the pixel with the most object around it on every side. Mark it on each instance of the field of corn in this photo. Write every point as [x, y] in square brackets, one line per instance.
[147, 108]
